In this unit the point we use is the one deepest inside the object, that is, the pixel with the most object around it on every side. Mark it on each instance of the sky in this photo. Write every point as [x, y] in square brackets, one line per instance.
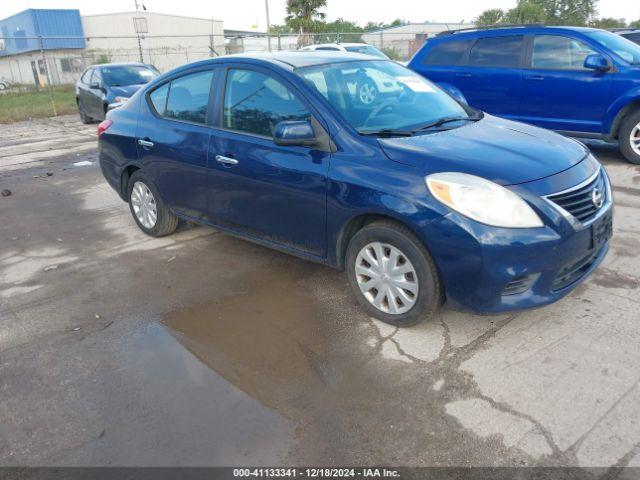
[246, 14]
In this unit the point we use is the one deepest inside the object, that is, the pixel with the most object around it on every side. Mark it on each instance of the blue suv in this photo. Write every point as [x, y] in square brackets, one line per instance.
[416, 195]
[582, 82]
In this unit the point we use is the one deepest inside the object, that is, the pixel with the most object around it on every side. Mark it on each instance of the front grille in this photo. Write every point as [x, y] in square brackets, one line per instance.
[579, 201]
[573, 272]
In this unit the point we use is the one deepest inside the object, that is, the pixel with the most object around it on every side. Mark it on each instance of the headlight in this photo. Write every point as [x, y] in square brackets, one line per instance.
[482, 200]
[120, 99]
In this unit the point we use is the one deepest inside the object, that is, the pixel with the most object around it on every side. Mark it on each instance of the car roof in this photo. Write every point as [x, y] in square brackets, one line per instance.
[293, 59]
[121, 64]
[513, 30]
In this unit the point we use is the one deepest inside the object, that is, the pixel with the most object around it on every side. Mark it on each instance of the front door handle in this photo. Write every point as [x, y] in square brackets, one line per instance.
[226, 160]
[463, 74]
[535, 78]
[145, 143]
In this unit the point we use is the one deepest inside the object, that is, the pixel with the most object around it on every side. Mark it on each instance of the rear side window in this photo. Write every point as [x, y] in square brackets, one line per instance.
[159, 98]
[556, 52]
[255, 103]
[86, 76]
[497, 52]
[185, 98]
[448, 53]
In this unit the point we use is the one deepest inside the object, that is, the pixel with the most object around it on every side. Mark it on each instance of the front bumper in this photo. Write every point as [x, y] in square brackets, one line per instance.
[489, 269]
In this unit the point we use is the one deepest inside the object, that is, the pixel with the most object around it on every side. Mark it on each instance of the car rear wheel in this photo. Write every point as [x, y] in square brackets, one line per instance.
[148, 210]
[629, 138]
[392, 274]
[84, 118]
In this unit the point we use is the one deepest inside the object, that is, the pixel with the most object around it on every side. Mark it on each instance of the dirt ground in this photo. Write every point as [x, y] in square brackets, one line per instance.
[202, 349]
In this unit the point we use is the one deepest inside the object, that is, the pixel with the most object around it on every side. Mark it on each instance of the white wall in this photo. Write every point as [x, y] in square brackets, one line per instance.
[173, 49]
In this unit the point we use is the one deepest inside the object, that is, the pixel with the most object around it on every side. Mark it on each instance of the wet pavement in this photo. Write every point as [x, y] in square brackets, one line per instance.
[202, 349]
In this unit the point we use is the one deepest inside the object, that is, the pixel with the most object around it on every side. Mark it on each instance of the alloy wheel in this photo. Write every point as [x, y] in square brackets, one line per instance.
[144, 205]
[386, 278]
[635, 139]
[367, 93]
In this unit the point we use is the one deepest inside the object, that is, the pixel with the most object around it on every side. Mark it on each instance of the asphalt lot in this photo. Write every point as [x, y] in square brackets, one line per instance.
[202, 349]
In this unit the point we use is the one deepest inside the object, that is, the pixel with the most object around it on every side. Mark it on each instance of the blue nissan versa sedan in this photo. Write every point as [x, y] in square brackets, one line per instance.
[415, 195]
[583, 82]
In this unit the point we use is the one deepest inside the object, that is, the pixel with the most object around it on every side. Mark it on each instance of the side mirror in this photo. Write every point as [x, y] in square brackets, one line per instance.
[94, 85]
[596, 62]
[454, 92]
[292, 133]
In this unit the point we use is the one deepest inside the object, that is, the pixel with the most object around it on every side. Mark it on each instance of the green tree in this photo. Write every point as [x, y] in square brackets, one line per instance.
[304, 16]
[635, 24]
[608, 22]
[492, 16]
[568, 12]
[526, 11]
[340, 30]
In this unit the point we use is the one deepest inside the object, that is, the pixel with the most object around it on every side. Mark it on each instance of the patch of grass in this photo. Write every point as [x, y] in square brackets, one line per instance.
[24, 105]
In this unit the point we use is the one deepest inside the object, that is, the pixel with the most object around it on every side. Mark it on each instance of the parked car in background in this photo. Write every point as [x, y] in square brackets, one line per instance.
[368, 85]
[416, 196]
[5, 84]
[579, 81]
[105, 86]
[632, 34]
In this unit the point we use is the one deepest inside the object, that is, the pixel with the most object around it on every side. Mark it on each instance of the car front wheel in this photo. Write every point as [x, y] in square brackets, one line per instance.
[629, 138]
[393, 274]
[148, 210]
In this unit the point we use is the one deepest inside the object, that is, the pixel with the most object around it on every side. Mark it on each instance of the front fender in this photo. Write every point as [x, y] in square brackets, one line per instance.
[619, 108]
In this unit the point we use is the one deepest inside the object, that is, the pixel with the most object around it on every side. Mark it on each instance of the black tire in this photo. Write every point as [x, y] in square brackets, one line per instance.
[430, 292]
[166, 222]
[624, 137]
[84, 118]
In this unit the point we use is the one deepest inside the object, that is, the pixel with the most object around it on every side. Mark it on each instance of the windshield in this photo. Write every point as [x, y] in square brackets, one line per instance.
[122, 76]
[625, 49]
[381, 95]
[366, 49]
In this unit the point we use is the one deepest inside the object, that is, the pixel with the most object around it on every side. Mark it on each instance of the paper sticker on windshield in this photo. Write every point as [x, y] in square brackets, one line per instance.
[416, 84]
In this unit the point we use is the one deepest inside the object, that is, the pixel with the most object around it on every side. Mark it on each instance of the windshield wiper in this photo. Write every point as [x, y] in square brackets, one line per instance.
[444, 120]
[388, 132]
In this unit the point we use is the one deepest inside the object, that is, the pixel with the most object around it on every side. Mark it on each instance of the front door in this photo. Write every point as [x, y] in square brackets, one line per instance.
[559, 93]
[271, 192]
[173, 141]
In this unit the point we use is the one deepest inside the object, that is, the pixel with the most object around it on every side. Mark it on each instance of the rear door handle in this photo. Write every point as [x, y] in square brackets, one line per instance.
[535, 78]
[462, 74]
[145, 143]
[226, 160]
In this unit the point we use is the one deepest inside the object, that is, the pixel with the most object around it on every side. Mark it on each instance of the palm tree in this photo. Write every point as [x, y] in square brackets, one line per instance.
[303, 16]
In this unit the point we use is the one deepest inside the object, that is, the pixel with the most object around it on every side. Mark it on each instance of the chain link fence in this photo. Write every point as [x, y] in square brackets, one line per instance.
[50, 70]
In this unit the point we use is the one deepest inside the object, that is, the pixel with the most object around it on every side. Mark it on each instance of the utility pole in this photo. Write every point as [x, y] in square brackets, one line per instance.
[266, 6]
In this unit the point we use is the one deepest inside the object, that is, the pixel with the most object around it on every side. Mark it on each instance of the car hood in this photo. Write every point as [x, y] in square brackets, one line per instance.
[500, 150]
[126, 90]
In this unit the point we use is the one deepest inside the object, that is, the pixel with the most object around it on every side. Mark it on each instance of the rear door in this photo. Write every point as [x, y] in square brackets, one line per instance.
[173, 140]
[559, 93]
[443, 60]
[491, 77]
[276, 193]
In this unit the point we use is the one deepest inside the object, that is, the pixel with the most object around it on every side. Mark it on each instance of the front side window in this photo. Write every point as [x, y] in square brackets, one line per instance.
[255, 103]
[501, 52]
[86, 76]
[376, 95]
[556, 52]
[188, 97]
[448, 53]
